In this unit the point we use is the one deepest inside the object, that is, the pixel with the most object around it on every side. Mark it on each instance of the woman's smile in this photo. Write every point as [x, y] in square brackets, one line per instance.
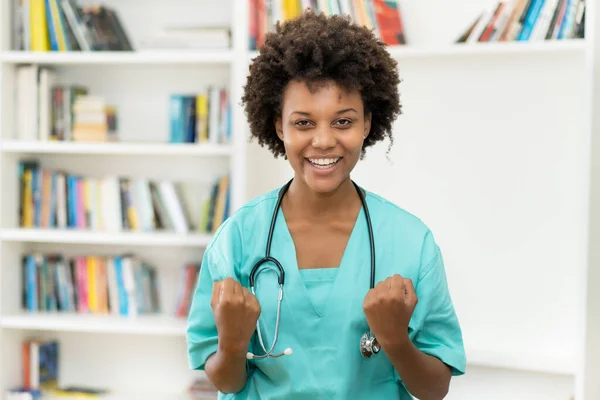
[324, 165]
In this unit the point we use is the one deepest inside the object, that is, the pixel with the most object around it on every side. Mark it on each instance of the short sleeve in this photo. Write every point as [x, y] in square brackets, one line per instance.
[201, 328]
[438, 331]
[221, 259]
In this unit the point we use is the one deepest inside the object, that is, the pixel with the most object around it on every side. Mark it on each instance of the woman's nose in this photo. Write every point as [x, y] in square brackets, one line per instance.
[324, 138]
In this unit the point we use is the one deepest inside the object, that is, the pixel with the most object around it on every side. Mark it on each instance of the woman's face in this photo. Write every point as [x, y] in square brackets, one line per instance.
[323, 133]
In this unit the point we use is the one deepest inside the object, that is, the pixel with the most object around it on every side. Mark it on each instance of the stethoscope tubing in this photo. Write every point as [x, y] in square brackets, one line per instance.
[281, 275]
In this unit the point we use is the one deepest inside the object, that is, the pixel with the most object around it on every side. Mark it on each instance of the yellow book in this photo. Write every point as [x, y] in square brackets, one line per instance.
[202, 118]
[38, 26]
[27, 199]
[92, 284]
[220, 203]
[133, 217]
[203, 223]
[290, 9]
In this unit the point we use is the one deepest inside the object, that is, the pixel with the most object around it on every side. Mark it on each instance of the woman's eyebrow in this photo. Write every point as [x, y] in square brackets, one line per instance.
[305, 113]
[301, 113]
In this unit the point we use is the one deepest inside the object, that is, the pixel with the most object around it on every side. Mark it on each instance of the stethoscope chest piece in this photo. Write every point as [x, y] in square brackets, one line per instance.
[369, 345]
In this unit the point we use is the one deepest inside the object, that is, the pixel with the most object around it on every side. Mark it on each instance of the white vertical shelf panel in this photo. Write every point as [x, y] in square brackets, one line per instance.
[238, 80]
[587, 383]
[6, 354]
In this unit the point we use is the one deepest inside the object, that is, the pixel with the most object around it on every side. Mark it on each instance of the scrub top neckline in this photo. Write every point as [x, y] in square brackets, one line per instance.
[319, 274]
[294, 275]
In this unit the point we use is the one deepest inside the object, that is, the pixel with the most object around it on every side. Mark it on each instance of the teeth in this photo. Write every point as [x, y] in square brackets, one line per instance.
[323, 161]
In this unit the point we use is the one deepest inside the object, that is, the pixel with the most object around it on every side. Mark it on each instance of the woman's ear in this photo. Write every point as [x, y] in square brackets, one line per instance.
[278, 128]
[367, 128]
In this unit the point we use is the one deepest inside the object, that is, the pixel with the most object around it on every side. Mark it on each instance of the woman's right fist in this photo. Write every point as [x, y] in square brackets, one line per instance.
[236, 311]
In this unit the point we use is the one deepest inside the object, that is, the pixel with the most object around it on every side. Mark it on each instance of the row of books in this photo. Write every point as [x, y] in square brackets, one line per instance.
[41, 361]
[527, 20]
[53, 198]
[123, 285]
[48, 110]
[200, 118]
[383, 17]
[40, 374]
[63, 25]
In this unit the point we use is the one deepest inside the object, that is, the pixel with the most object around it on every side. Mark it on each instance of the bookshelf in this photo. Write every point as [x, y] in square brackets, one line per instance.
[498, 126]
[98, 347]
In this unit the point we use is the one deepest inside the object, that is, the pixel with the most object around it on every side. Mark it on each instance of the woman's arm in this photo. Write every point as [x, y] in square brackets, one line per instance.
[236, 311]
[226, 369]
[425, 376]
[388, 308]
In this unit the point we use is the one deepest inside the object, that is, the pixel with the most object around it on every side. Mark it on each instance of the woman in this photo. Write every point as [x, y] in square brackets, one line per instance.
[321, 91]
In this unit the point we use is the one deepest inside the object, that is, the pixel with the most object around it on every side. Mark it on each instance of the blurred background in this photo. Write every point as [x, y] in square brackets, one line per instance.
[123, 147]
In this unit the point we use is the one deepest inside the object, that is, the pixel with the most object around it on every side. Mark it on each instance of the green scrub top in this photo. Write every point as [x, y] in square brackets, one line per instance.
[322, 318]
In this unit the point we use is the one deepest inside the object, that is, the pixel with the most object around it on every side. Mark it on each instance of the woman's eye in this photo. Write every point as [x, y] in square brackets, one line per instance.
[344, 122]
[302, 123]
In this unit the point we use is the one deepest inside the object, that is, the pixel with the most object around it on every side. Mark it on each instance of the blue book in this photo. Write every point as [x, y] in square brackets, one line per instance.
[531, 19]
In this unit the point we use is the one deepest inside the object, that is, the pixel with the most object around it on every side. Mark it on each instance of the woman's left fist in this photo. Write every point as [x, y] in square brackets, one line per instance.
[389, 307]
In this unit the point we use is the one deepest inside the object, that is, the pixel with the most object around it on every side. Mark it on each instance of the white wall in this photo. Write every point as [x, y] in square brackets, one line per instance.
[489, 152]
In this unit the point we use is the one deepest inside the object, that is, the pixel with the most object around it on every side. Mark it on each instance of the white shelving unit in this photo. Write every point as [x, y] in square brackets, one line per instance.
[100, 350]
[492, 152]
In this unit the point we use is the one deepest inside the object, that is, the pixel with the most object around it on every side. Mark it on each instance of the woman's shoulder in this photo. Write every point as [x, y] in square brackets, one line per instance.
[403, 227]
[390, 212]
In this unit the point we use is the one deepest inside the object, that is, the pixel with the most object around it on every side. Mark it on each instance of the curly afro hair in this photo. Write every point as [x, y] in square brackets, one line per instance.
[315, 48]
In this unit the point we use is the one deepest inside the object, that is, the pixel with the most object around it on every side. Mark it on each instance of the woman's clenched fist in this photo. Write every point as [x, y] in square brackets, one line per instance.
[388, 308]
[236, 311]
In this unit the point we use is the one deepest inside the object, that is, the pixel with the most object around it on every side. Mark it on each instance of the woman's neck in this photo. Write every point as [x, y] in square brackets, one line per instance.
[303, 201]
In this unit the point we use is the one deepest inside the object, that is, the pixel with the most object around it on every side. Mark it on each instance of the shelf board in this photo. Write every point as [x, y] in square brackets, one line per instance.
[117, 57]
[119, 148]
[462, 49]
[78, 236]
[153, 396]
[508, 48]
[89, 323]
[543, 362]
[146, 396]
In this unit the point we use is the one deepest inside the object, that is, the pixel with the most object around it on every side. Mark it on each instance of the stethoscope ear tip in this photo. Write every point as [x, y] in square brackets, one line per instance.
[287, 351]
[249, 356]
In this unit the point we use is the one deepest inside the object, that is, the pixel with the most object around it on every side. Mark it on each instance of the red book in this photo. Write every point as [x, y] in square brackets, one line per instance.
[389, 19]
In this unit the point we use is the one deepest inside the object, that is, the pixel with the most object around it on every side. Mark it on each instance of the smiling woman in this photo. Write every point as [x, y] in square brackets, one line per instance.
[358, 306]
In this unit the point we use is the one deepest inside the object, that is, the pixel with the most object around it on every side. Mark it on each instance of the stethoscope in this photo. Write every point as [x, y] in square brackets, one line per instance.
[368, 342]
